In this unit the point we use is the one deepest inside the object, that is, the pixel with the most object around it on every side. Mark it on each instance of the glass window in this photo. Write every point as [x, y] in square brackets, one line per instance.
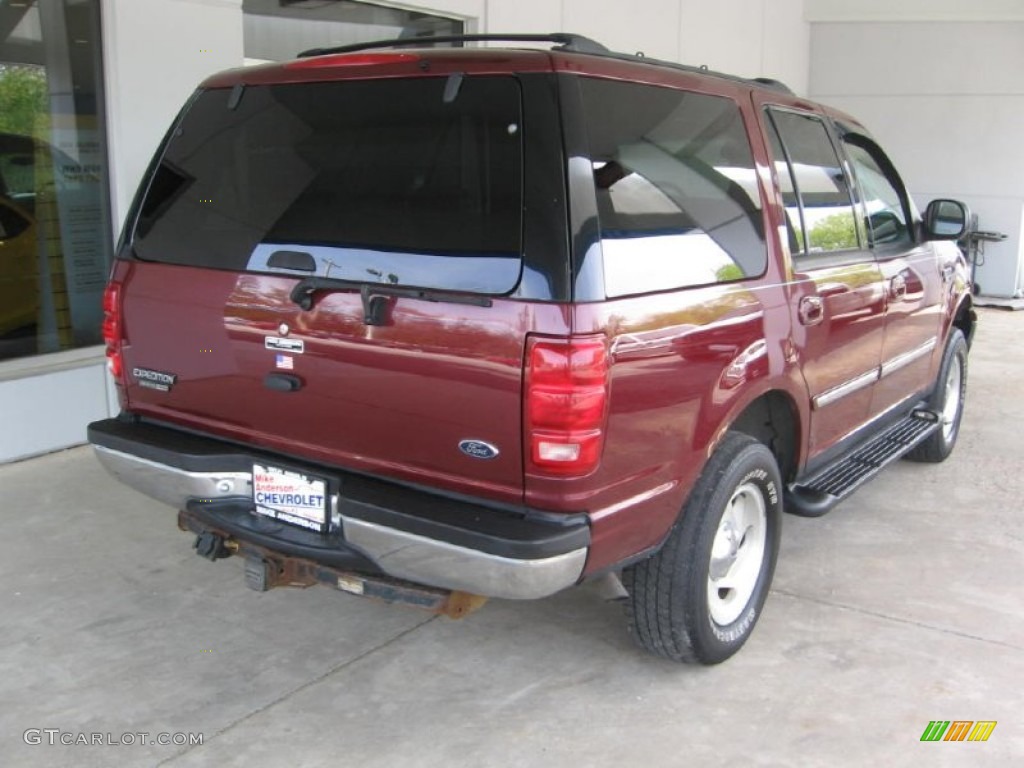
[55, 243]
[677, 192]
[378, 180]
[828, 216]
[277, 30]
[794, 223]
[886, 218]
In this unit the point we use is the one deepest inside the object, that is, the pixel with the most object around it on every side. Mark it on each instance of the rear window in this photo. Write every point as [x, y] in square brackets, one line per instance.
[413, 182]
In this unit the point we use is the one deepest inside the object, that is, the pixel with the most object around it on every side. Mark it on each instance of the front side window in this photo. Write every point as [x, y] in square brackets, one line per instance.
[676, 188]
[886, 216]
[413, 182]
[828, 217]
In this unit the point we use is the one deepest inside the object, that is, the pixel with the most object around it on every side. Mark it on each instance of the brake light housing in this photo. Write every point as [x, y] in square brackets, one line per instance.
[351, 60]
[113, 329]
[566, 404]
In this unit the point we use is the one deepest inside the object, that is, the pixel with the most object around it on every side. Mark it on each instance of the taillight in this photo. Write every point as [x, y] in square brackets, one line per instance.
[566, 403]
[113, 330]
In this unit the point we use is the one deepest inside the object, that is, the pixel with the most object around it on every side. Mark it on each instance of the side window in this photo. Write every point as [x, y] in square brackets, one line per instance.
[787, 186]
[886, 216]
[676, 188]
[822, 186]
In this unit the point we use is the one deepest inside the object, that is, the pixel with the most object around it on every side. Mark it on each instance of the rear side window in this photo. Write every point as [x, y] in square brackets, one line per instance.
[827, 208]
[677, 193]
[413, 182]
[787, 186]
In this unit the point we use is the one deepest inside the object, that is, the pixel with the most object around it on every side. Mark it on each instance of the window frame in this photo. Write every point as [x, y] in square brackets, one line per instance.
[808, 259]
[891, 175]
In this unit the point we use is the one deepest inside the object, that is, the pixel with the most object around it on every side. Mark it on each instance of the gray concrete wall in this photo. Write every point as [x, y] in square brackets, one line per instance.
[940, 85]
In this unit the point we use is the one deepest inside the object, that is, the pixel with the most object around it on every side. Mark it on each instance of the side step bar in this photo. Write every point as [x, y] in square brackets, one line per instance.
[815, 496]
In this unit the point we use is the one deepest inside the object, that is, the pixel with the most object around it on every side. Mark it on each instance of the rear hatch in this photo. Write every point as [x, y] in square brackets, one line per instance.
[397, 204]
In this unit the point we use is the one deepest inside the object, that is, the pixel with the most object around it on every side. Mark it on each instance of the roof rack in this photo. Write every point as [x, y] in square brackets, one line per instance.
[566, 41]
[772, 84]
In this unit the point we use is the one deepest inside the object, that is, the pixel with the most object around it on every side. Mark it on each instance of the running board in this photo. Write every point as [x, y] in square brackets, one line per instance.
[817, 495]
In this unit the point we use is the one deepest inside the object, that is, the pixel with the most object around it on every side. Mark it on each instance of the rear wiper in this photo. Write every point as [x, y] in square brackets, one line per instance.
[375, 295]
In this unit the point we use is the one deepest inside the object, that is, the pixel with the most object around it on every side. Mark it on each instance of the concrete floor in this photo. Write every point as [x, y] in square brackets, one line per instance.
[904, 605]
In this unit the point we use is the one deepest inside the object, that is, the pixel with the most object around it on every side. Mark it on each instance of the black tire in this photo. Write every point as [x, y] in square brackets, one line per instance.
[670, 610]
[952, 375]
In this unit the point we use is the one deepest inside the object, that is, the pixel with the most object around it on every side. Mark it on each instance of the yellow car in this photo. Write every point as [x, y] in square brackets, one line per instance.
[19, 268]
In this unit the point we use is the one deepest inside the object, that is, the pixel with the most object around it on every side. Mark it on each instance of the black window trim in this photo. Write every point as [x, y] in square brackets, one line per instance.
[840, 257]
[877, 154]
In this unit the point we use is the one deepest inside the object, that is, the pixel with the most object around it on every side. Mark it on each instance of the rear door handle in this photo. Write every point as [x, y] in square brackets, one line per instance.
[811, 310]
[898, 287]
[282, 382]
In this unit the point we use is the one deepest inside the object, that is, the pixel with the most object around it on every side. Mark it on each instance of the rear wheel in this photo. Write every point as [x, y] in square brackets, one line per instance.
[698, 598]
[948, 401]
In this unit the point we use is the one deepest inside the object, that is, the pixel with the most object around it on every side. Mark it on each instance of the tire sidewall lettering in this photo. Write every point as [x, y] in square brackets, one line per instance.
[763, 478]
[739, 628]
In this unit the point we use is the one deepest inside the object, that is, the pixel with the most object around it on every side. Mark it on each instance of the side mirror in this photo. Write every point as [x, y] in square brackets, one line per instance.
[946, 220]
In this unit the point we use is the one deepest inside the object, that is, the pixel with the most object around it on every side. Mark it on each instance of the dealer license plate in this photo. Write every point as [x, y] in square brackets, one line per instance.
[291, 497]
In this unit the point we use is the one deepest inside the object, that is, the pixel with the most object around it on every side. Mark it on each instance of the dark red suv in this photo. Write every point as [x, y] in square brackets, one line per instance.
[438, 323]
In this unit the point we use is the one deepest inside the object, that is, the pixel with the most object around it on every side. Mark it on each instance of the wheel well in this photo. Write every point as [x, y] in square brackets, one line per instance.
[966, 320]
[772, 420]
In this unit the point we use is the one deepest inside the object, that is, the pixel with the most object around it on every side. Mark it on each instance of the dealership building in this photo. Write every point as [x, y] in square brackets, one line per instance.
[89, 87]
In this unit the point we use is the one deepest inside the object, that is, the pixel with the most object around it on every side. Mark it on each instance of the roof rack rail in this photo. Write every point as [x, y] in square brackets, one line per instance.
[771, 83]
[566, 42]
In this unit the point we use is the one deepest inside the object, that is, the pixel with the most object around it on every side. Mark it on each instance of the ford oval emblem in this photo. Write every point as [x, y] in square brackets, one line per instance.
[478, 449]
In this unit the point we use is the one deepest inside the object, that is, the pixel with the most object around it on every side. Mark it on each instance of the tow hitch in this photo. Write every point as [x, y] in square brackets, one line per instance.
[265, 570]
[211, 546]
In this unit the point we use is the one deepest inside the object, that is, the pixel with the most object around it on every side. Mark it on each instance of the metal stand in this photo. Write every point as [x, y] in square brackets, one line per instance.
[973, 246]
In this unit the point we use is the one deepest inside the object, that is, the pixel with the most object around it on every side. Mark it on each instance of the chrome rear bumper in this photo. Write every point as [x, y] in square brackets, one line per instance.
[399, 553]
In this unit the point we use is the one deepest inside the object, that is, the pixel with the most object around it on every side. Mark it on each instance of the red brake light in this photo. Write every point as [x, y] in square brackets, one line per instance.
[566, 401]
[113, 330]
[351, 60]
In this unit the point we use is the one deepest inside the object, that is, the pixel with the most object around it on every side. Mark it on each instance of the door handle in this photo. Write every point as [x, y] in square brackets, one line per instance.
[282, 382]
[811, 310]
[898, 287]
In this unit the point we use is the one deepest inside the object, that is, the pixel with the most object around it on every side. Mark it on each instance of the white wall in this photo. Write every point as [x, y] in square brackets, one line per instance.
[946, 100]
[46, 402]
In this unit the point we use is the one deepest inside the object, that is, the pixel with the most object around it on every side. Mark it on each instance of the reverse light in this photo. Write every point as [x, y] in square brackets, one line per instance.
[566, 402]
[113, 329]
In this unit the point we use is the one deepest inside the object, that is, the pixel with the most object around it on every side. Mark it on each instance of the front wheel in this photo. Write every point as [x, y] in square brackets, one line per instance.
[698, 598]
[948, 401]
